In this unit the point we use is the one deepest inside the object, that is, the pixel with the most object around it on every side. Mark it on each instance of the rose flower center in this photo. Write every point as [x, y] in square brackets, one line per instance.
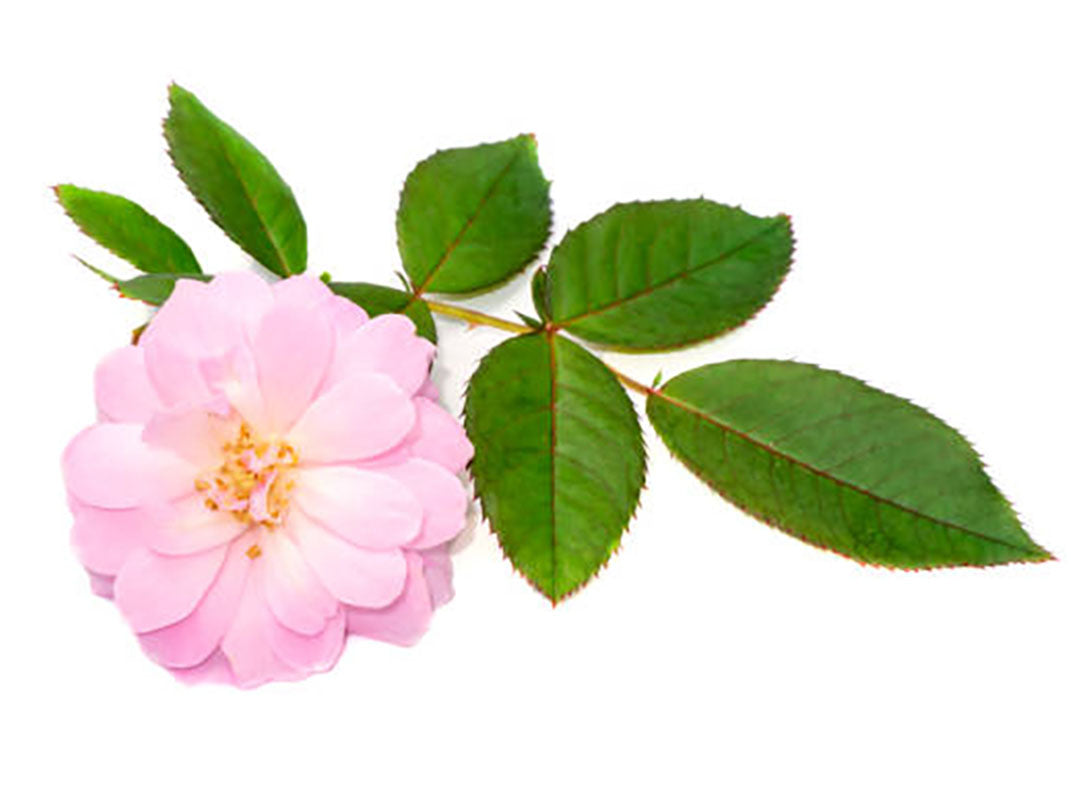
[254, 480]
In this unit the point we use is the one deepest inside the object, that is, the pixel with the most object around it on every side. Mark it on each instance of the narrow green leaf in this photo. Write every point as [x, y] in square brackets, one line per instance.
[127, 230]
[380, 300]
[539, 294]
[656, 275]
[235, 183]
[839, 464]
[471, 218]
[153, 289]
[559, 459]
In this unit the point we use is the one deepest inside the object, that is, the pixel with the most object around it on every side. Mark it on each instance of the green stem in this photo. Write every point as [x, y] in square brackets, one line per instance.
[480, 319]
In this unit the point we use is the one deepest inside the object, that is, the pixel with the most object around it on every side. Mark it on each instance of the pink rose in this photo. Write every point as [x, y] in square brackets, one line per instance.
[269, 472]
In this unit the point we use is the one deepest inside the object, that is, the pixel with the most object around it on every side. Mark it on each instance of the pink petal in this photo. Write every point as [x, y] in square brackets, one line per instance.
[153, 591]
[101, 585]
[122, 387]
[309, 654]
[292, 348]
[386, 344]
[439, 574]
[187, 526]
[365, 507]
[109, 465]
[441, 494]
[194, 321]
[359, 418]
[304, 291]
[215, 669]
[293, 593]
[246, 644]
[195, 433]
[354, 575]
[346, 316]
[104, 538]
[438, 437]
[405, 620]
[175, 375]
[242, 295]
[192, 640]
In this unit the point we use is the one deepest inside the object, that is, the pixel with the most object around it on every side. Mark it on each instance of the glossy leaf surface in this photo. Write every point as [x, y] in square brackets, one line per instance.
[471, 218]
[559, 459]
[656, 275]
[839, 464]
[235, 183]
[127, 230]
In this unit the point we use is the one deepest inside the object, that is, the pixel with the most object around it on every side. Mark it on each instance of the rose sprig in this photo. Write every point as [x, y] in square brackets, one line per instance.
[559, 456]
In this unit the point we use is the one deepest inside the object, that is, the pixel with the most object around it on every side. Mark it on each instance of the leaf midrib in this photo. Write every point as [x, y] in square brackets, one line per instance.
[776, 453]
[251, 200]
[683, 276]
[468, 224]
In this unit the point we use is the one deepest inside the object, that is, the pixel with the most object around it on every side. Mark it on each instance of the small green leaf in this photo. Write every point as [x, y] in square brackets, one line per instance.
[380, 300]
[153, 289]
[656, 275]
[559, 459]
[839, 464]
[128, 231]
[471, 218]
[235, 183]
[539, 294]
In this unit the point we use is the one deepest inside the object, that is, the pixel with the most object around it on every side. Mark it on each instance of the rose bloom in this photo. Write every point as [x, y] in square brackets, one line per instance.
[270, 472]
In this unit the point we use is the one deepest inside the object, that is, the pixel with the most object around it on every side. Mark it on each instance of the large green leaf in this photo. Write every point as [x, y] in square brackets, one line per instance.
[839, 464]
[470, 218]
[128, 230]
[242, 192]
[559, 458]
[379, 300]
[654, 275]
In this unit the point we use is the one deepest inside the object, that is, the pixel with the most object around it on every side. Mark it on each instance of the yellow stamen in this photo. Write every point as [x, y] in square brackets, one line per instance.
[253, 481]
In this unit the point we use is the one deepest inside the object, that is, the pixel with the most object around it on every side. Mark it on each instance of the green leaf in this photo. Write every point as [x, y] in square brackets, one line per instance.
[559, 459]
[380, 300]
[242, 192]
[655, 275]
[539, 294]
[839, 464]
[152, 289]
[127, 230]
[471, 218]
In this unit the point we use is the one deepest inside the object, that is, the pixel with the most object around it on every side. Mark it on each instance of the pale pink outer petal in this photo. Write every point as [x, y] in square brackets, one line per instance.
[109, 465]
[386, 344]
[353, 575]
[192, 640]
[310, 654]
[441, 494]
[175, 374]
[429, 390]
[246, 644]
[104, 538]
[439, 437]
[153, 590]
[405, 620]
[363, 506]
[215, 669]
[122, 387]
[260, 649]
[304, 290]
[294, 594]
[242, 295]
[293, 348]
[186, 526]
[346, 316]
[101, 585]
[362, 417]
[439, 574]
[194, 433]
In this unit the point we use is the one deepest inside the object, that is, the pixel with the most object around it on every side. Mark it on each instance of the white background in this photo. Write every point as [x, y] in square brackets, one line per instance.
[928, 155]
